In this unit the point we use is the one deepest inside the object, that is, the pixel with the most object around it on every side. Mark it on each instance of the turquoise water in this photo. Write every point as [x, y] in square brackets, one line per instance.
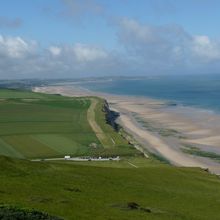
[197, 91]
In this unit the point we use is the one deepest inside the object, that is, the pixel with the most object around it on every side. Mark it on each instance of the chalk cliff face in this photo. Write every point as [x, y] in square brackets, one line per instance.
[110, 116]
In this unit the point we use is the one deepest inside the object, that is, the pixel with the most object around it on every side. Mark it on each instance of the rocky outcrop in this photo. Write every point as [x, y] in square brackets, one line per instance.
[111, 116]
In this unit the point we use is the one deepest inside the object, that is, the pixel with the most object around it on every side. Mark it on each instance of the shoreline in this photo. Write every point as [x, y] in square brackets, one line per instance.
[160, 128]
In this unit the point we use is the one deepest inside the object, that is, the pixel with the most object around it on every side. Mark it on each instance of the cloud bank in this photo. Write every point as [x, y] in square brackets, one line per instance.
[144, 49]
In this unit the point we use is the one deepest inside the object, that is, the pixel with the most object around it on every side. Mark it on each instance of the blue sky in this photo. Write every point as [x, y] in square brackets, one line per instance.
[109, 37]
[42, 19]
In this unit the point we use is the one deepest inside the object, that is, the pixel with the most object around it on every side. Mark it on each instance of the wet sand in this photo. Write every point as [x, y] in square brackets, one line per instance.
[161, 128]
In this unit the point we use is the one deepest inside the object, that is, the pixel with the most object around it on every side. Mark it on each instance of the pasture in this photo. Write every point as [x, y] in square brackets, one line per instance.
[34, 125]
[71, 191]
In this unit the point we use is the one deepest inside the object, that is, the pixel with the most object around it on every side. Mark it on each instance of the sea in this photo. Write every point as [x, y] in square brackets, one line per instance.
[201, 91]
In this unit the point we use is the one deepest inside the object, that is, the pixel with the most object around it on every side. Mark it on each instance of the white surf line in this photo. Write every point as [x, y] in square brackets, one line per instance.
[132, 164]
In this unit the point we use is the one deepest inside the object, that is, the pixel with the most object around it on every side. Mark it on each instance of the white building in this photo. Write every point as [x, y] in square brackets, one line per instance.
[66, 157]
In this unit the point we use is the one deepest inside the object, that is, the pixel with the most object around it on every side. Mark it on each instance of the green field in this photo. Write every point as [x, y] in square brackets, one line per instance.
[85, 192]
[36, 125]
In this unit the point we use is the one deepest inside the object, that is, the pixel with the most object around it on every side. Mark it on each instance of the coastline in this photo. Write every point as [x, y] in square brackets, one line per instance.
[160, 128]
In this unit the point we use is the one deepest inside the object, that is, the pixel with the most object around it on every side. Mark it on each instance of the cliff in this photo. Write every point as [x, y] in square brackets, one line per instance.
[111, 116]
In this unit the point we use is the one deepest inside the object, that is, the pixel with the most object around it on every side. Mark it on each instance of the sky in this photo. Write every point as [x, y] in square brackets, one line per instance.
[84, 38]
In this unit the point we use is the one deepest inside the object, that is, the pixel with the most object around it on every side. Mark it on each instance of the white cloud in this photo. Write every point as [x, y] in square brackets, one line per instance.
[205, 48]
[23, 59]
[134, 31]
[15, 47]
[167, 48]
[86, 53]
[145, 50]
[55, 51]
[156, 48]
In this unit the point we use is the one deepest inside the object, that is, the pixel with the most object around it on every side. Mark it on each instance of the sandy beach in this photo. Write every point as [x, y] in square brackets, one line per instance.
[163, 129]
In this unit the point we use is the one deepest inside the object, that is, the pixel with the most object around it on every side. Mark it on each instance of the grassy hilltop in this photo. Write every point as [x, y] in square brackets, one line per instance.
[36, 125]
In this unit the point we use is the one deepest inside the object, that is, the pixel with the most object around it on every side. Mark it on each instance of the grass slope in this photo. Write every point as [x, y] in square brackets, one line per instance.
[70, 191]
[38, 125]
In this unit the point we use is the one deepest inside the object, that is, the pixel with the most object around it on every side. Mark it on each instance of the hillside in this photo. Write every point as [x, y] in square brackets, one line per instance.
[36, 125]
[84, 192]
